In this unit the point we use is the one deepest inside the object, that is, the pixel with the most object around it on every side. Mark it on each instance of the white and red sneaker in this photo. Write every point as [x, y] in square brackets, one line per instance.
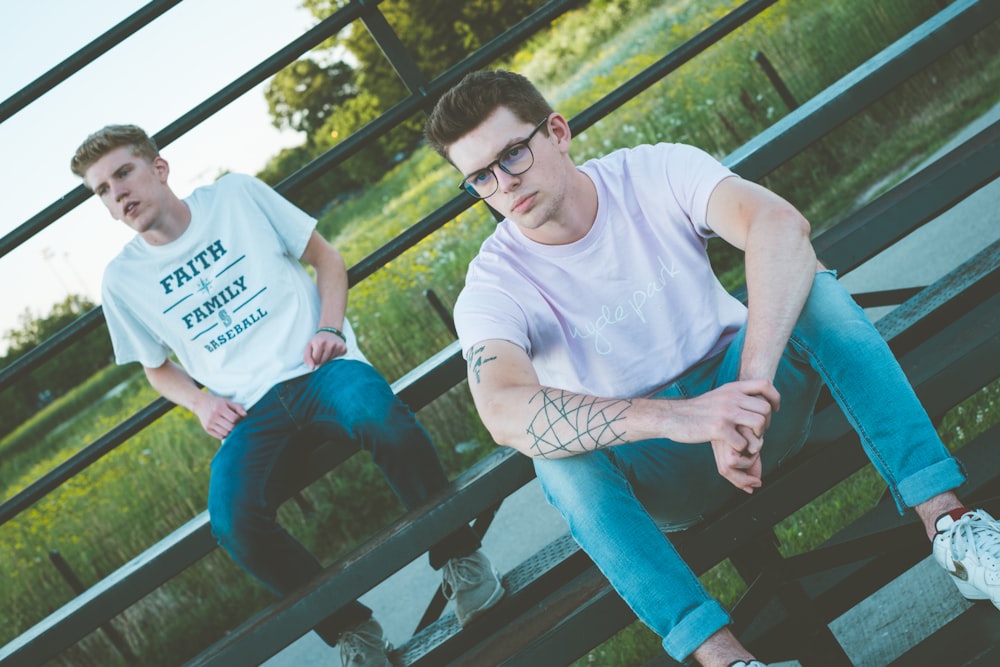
[967, 545]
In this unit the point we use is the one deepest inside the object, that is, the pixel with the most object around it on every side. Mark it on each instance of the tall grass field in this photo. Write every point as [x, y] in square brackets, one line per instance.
[158, 480]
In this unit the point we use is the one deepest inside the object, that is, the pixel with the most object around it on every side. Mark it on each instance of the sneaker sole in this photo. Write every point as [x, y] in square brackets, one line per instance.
[486, 606]
[971, 593]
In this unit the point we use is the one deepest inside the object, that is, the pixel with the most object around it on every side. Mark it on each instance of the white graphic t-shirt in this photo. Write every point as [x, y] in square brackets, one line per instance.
[229, 297]
[629, 307]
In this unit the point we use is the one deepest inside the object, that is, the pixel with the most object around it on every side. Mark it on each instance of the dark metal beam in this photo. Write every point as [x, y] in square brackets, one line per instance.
[322, 31]
[404, 64]
[83, 57]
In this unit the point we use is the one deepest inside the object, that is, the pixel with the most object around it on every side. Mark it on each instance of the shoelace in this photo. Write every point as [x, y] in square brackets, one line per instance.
[977, 532]
[464, 570]
[353, 644]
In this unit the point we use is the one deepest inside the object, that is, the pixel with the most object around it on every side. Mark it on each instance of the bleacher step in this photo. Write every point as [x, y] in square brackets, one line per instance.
[970, 640]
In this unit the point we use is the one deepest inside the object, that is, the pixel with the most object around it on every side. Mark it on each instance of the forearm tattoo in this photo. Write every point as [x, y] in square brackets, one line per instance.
[570, 422]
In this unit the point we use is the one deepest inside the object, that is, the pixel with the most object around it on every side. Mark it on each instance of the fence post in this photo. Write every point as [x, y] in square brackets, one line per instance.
[441, 311]
[775, 79]
[115, 637]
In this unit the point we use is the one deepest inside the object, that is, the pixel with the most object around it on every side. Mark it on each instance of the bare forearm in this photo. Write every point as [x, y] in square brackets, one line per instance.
[217, 415]
[561, 423]
[780, 265]
[175, 385]
[331, 285]
[331, 280]
[544, 422]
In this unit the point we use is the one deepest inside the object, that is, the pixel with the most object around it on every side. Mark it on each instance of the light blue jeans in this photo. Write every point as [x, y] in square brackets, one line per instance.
[349, 404]
[617, 500]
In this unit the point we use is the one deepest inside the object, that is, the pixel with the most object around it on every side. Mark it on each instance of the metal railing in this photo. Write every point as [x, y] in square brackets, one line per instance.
[766, 152]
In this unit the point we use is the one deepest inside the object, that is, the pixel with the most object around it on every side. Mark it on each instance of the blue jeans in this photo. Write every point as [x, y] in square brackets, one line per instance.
[617, 500]
[345, 402]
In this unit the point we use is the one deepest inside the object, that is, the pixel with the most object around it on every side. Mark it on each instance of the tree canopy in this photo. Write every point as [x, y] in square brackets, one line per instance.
[302, 96]
[329, 102]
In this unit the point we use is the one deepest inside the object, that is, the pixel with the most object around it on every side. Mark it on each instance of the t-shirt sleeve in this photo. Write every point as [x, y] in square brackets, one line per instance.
[292, 225]
[693, 175]
[483, 312]
[131, 339]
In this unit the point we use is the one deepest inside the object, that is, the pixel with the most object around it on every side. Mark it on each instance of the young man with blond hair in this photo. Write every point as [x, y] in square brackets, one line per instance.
[600, 343]
[216, 279]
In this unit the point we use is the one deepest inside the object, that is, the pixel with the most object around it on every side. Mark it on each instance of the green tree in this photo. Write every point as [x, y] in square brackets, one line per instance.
[315, 196]
[330, 103]
[436, 33]
[302, 96]
[60, 373]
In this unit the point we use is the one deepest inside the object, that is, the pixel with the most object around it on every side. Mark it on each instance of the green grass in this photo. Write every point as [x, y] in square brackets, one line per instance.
[154, 483]
[36, 439]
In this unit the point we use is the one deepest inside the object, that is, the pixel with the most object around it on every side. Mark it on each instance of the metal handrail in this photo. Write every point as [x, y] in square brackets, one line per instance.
[84, 56]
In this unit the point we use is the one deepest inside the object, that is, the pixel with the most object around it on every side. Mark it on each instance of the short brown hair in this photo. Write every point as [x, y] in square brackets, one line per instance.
[474, 98]
[107, 139]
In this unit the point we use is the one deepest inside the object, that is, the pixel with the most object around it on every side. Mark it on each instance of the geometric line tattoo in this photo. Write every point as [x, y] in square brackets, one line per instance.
[570, 422]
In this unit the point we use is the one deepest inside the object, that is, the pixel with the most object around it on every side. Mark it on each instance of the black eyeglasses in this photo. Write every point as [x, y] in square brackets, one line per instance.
[515, 160]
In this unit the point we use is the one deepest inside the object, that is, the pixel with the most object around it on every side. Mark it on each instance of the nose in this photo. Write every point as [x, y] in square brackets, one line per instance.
[506, 182]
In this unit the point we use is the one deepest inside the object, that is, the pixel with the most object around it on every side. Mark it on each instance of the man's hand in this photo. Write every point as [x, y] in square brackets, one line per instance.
[733, 418]
[323, 347]
[741, 467]
[218, 415]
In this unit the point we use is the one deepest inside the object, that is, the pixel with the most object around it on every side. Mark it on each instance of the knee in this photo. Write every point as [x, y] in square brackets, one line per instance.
[233, 523]
[830, 313]
[579, 483]
[390, 430]
[828, 299]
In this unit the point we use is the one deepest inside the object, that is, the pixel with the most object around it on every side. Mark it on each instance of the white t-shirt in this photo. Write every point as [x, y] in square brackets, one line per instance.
[229, 296]
[629, 307]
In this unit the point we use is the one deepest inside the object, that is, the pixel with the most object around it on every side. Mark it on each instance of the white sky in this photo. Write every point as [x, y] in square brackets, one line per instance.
[151, 79]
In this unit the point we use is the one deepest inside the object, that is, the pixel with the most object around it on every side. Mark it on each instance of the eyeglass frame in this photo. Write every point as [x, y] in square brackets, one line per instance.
[470, 189]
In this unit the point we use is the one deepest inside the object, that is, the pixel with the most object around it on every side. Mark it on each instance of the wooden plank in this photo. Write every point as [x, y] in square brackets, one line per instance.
[971, 640]
[486, 484]
[910, 204]
[873, 550]
[861, 87]
[192, 541]
[556, 639]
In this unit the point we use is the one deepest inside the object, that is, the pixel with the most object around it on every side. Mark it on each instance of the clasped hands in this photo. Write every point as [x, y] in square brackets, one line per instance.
[737, 415]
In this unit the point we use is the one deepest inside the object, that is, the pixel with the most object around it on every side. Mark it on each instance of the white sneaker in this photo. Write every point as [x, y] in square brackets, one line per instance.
[365, 646]
[473, 583]
[969, 549]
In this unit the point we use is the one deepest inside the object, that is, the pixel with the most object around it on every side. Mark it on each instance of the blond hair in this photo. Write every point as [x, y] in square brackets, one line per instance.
[107, 139]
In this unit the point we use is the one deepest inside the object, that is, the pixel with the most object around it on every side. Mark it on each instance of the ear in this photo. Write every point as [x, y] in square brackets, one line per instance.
[162, 168]
[559, 130]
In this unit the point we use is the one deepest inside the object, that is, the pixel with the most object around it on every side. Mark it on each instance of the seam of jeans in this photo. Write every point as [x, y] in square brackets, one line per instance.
[281, 391]
[872, 451]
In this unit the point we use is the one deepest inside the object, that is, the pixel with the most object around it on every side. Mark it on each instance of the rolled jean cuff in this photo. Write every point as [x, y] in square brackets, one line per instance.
[932, 481]
[694, 629]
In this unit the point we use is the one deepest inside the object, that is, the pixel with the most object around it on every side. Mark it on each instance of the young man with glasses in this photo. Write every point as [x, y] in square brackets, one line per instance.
[600, 343]
[216, 279]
